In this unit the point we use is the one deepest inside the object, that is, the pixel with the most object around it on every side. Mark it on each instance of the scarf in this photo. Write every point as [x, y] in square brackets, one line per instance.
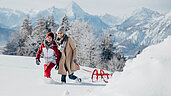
[48, 44]
[61, 43]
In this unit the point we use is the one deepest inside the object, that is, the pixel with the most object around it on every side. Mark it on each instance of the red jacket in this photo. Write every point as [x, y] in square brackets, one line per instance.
[51, 54]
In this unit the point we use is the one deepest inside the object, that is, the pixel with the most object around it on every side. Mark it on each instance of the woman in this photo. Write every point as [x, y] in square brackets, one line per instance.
[51, 54]
[68, 59]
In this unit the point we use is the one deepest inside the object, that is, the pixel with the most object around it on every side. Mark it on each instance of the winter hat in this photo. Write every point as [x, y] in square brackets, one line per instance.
[50, 34]
[61, 29]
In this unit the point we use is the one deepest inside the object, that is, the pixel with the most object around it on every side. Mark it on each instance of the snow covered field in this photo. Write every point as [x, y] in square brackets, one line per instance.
[146, 75]
[20, 76]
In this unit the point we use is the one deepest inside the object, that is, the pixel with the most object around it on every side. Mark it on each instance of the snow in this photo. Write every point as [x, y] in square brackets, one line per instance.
[31, 12]
[9, 12]
[73, 8]
[146, 27]
[146, 75]
[120, 46]
[168, 15]
[20, 76]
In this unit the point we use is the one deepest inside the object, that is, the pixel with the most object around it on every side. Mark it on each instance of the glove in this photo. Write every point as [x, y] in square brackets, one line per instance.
[56, 67]
[37, 61]
[75, 60]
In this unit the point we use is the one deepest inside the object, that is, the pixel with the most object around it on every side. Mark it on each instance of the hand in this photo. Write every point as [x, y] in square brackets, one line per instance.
[37, 61]
[75, 60]
[56, 67]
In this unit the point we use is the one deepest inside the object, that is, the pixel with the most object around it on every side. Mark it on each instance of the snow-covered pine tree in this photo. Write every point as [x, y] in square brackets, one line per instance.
[25, 31]
[37, 36]
[50, 23]
[95, 53]
[107, 50]
[81, 33]
[12, 44]
[119, 61]
[111, 59]
[65, 23]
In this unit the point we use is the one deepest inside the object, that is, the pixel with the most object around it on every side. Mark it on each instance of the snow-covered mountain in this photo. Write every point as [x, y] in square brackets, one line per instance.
[145, 27]
[9, 20]
[111, 20]
[57, 13]
[12, 19]
[9, 17]
[75, 11]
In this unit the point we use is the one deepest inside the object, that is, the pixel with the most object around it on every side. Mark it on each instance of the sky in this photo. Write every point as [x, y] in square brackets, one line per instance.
[94, 7]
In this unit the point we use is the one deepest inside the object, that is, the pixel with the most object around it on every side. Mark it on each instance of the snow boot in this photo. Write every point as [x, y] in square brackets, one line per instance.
[63, 79]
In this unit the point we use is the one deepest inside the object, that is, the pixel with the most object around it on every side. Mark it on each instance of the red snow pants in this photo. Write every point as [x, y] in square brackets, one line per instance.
[47, 69]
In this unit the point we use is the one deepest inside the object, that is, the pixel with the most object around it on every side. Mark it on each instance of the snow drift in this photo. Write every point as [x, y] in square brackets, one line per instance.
[146, 75]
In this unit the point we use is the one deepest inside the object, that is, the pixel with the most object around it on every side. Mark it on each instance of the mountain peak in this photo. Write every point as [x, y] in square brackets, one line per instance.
[74, 3]
[73, 8]
[145, 12]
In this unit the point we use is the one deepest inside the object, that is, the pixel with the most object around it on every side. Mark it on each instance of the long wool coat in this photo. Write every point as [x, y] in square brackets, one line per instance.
[67, 56]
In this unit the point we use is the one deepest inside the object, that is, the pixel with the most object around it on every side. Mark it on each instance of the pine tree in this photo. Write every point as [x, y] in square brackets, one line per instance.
[107, 50]
[95, 53]
[119, 61]
[65, 23]
[26, 28]
[50, 24]
[37, 36]
[12, 44]
[81, 33]
[111, 59]
[25, 31]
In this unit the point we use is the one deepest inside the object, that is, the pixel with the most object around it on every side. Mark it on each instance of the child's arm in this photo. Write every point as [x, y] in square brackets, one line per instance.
[39, 51]
[58, 53]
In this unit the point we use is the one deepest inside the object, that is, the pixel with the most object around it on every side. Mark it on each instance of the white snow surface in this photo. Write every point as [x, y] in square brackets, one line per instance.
[146, 75]
[20, 76]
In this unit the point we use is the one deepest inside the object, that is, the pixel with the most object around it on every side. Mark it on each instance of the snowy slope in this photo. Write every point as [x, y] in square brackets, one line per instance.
[146, 75]
[20, 76]
[111, 20]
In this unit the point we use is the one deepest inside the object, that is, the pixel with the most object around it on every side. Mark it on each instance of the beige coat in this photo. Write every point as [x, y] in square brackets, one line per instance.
[67, 57]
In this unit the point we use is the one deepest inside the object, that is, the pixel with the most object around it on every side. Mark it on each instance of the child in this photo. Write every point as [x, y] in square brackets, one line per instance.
[51, 54]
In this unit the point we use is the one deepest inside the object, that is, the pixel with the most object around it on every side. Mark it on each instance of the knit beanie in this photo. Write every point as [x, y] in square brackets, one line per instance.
[61, 29]
[50, 34]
